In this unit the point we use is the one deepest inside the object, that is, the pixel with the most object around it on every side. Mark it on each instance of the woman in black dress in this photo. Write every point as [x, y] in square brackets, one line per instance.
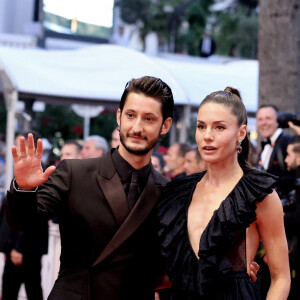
[210, 223]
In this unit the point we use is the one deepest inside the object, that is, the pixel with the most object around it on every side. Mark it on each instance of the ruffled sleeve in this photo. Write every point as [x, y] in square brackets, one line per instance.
[236, 212]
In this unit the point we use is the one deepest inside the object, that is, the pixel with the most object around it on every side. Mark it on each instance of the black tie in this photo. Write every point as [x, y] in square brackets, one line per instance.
[264, 143]
[134, 190]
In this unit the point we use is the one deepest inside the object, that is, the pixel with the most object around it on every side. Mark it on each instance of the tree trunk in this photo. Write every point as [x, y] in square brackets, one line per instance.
[279, 54]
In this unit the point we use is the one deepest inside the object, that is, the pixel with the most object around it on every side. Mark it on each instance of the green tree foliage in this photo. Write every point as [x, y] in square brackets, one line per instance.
[62, 119]
[252, 4]
[58, 118]
[237, 34]
[165, 17]
[196, 15]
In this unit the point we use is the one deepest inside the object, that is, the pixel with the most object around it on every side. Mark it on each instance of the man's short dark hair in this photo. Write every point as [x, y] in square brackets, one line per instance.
[197, 153]
[269, 105]
[183, 148]
[151, 87]
[296, 144]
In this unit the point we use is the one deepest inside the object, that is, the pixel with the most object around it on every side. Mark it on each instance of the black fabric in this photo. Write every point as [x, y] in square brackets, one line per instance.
[195, 278]
[29, 274]
[277, 165]
[125, 172]
[179, 176]
[134, 190]
[264, 143]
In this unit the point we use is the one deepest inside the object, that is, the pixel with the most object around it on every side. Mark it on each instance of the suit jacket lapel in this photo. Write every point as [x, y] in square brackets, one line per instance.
[112, 189]
[142, 209]
[115, 196]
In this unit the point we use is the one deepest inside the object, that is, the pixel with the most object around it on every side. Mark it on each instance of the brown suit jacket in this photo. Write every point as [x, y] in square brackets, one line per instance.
[107, 251]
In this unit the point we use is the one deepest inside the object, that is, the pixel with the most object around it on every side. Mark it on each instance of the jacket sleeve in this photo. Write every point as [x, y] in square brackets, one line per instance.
[22, 207]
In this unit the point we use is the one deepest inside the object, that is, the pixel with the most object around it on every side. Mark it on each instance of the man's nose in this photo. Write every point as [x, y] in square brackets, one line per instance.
[137, 126]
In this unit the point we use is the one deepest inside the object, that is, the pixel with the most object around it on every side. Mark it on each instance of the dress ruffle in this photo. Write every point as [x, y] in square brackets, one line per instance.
[236, 212]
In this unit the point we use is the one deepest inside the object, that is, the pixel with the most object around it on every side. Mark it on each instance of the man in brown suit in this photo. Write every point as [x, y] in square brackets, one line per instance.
[109, 248]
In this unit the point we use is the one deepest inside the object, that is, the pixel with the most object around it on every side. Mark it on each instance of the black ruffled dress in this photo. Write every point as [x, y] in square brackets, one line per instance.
[221, 271]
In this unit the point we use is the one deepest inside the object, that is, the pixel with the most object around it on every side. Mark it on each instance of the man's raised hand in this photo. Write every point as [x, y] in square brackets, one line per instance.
[28, 169]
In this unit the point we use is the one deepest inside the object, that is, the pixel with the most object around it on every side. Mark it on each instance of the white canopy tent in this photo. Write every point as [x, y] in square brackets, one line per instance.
[199, 77]
[98, 74]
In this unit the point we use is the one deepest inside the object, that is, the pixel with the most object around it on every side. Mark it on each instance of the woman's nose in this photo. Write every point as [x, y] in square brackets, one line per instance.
[208, 134]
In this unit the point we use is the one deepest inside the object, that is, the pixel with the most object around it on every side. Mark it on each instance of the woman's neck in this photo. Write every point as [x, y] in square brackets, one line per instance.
[220, 173]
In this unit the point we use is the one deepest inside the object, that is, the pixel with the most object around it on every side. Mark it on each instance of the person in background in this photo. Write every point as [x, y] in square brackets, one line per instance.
[94, 146]
[23, 252]
[158, 162]
[175, 159]
[120, 37]
[207, 45]
[273, 147]
[70, 150]
[115, 138]
[193, 162]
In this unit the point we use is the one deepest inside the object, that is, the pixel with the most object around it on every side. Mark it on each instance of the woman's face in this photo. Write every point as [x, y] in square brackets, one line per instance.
[217, 133]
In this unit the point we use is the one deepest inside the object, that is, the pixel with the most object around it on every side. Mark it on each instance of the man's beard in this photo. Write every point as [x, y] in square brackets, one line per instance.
[292, 166]
[151, 144]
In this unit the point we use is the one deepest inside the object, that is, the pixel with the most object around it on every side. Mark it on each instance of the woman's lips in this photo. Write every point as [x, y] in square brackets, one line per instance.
[209, 149]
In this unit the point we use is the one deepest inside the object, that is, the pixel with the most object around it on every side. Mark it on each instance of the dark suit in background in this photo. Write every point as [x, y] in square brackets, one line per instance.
[108, 251]
[278, 167]
[32, 244]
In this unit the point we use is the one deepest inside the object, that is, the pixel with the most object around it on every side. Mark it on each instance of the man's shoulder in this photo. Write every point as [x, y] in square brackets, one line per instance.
[80, 166]
[284, 139]
[159, 178]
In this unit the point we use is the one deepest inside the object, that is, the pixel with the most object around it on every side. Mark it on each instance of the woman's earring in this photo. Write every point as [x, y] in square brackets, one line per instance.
[239, 148]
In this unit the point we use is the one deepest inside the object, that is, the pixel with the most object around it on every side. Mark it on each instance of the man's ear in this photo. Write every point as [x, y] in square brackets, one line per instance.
[298, 160]
[100, 152]
[118, 114]
[166, 126]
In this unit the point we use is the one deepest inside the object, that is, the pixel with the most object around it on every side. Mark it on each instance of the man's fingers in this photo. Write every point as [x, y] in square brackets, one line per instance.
[30, 143]
[39, 149]
[22, 147]
[15, 154]
[48, 172]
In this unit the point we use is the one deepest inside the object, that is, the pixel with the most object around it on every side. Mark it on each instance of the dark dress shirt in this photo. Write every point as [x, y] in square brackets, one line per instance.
[124, 170]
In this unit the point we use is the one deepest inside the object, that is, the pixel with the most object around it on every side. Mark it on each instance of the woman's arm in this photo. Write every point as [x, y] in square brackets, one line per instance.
[271, 229]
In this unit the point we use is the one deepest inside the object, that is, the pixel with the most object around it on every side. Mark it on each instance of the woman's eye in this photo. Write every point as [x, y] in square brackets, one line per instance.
[200, 126]
[149, 119]
[220, 127]
[129, 115]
